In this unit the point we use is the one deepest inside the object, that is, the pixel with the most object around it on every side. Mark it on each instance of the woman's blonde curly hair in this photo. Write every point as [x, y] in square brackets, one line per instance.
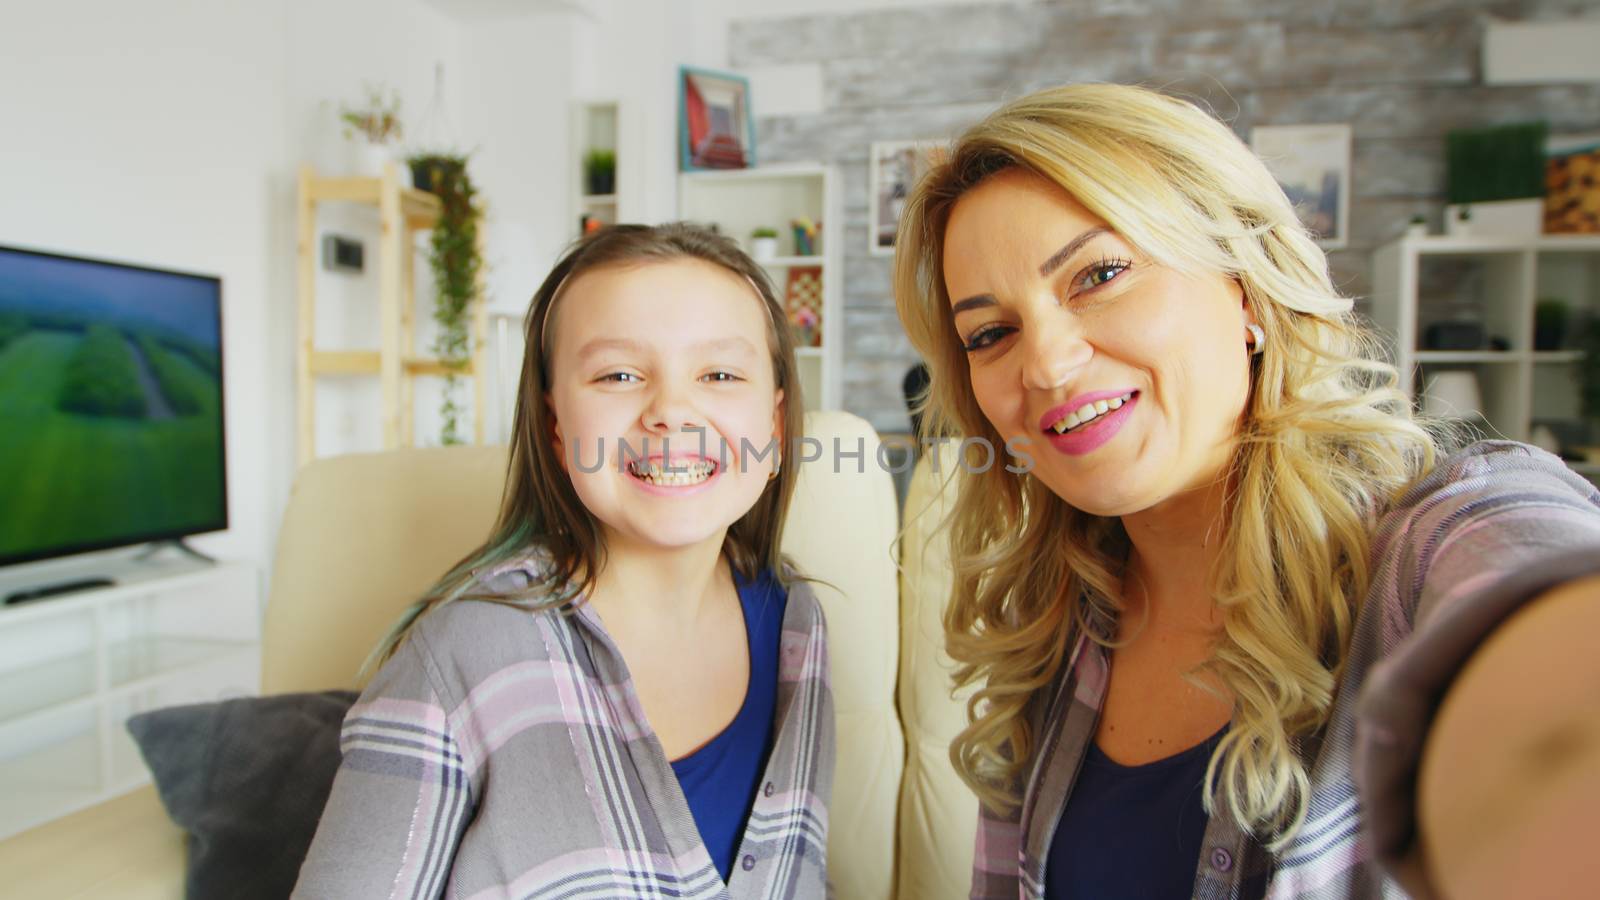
[1327, 441]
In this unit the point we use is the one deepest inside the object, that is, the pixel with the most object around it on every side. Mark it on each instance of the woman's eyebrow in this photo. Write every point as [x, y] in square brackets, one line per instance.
[1073, 246]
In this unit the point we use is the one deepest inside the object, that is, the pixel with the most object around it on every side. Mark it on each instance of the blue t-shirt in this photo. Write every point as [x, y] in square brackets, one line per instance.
[1131, 831]
[720, 779]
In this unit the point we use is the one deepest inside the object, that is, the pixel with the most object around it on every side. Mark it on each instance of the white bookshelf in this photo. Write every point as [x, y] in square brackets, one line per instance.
[1496, 281]
[738, 201]
[74, 668]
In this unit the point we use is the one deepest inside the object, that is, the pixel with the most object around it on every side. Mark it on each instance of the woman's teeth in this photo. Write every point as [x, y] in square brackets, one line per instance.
[683, 474]
[1088, 412]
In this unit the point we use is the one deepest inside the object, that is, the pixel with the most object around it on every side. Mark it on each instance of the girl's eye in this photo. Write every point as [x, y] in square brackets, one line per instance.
[986, 336]
[720, 375]
[1100, 273]
[619, 378]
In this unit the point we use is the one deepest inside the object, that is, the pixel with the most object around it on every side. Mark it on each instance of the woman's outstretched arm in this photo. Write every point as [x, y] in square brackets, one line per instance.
[1510, 778]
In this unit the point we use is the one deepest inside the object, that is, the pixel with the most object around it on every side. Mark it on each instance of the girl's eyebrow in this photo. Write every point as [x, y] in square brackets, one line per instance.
[716, 345]
[600, 345]
[727, 345]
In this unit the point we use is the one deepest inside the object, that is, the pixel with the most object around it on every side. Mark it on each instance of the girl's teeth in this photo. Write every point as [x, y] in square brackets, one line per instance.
[684, 474]
[1101, 407]
[1114, 403]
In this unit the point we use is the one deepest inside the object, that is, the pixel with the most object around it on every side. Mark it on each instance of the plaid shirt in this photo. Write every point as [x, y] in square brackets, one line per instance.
[1490, 528]
[504, 753]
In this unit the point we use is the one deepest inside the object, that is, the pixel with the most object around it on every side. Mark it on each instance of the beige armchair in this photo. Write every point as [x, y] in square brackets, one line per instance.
[363, 533]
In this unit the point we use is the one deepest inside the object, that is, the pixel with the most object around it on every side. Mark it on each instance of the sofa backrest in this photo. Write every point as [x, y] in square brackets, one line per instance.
[938, 812]
[841, 530]
[364, 534]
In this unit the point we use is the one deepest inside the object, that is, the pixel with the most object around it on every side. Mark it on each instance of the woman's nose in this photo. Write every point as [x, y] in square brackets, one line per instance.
[1054, 349]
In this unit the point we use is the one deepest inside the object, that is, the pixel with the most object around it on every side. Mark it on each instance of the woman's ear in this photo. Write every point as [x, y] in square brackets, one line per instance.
[1244, 303]
[777, 415]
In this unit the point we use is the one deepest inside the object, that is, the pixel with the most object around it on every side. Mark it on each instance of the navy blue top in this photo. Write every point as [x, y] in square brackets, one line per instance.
[721, 778]
[1131, 831]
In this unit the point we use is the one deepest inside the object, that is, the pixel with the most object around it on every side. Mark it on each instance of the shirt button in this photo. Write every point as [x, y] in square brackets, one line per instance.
[767, 791]
[1221, 860]
[748, 863]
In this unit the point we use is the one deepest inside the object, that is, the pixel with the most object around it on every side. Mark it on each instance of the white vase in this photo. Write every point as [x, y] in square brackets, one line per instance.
[371, 158]
[1452, 395]
[764, 248]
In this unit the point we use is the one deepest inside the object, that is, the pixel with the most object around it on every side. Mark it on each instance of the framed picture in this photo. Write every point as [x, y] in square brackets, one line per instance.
[1572, 184]
[1312, 164]
[715, 127]
[894, 167]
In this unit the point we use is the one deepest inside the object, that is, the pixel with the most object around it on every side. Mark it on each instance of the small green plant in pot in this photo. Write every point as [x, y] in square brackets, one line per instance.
[375, 124]
[600, 171]
[455, 262]
[1549, 324]
[764, 243]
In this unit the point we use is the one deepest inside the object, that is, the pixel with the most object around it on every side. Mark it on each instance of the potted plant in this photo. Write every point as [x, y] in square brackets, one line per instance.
[600, 171]
[764, 243]
[375, 125]
[1549, 324]
[454, 260]
[1499, 173]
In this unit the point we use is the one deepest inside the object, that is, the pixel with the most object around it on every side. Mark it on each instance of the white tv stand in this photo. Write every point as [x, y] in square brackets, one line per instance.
[74, 667]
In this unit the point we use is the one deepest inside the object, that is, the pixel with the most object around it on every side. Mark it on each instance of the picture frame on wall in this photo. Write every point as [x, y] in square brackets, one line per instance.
[716, 129]
[1572, 184]
[893, 170]
[1312, 164]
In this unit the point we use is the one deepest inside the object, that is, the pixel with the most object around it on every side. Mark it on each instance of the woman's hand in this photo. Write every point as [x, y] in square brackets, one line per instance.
[1509, 790]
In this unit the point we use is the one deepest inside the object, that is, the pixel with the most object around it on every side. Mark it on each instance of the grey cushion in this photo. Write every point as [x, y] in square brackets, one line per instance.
[247, 779]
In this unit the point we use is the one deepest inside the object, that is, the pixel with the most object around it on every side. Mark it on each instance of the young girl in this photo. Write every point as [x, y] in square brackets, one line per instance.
[594, 703]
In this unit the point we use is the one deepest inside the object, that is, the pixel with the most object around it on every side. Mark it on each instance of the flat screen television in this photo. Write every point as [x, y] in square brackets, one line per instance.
[111, 425]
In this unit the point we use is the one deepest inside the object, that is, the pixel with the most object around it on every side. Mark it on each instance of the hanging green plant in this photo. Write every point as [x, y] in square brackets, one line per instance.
[455, 263]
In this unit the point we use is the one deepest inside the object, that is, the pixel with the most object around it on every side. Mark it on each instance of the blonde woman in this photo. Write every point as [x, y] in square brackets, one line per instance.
[1242, 629]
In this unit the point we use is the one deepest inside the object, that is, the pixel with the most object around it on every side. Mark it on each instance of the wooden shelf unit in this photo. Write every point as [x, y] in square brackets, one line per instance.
[402, 211]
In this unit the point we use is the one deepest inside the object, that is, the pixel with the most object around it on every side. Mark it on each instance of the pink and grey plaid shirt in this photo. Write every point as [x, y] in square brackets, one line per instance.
[1493, 526]
[503, 752]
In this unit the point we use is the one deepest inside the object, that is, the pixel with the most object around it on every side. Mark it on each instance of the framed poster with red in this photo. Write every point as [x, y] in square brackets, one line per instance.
[715, 127]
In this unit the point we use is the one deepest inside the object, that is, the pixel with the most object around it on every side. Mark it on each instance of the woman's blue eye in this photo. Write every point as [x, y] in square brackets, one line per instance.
[1102, 272]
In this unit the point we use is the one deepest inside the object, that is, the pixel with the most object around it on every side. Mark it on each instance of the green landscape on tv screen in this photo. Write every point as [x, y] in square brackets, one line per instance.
[110, 405]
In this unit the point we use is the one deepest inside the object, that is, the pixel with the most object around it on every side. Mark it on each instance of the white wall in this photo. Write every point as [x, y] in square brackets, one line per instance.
[151, 133]
[167, 133]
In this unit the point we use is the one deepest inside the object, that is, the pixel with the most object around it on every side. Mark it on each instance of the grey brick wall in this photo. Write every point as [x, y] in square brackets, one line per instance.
[1400, 72]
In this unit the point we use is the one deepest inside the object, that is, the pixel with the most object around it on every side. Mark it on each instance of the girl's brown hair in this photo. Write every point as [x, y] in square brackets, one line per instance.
[540, 513]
